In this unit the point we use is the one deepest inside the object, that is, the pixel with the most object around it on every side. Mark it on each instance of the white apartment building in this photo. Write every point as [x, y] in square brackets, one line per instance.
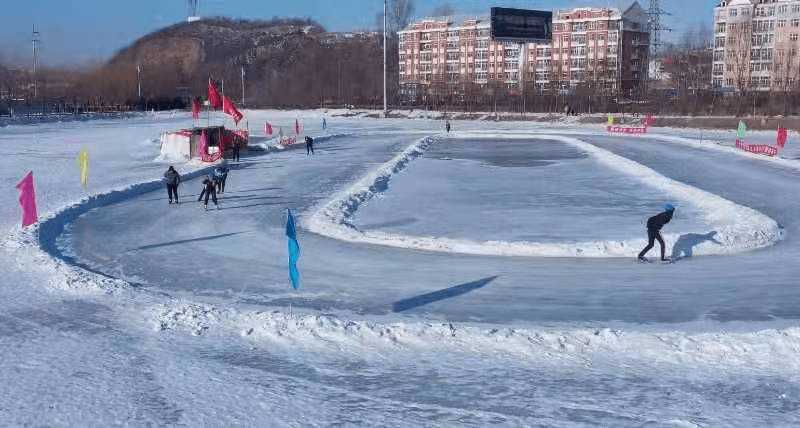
[756, 44]
[597, 47]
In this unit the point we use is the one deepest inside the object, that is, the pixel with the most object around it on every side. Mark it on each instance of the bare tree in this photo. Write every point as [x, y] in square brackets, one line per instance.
[398, 15]
[737, 49]
[443, 10]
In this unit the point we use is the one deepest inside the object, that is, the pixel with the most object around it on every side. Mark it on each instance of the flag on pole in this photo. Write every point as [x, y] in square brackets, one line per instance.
[782, 137]
[297, 126]
[230, 110]
[742, 130]
[27, 199]
[213, 95]
[610, 120]
[83, 162]
[294, 251]
[267, 128]
[196, 109]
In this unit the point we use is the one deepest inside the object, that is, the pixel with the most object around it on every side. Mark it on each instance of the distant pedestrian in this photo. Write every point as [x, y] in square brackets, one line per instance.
[309, 145]
[324, 123]
[209, 190]
[654, 225]
[236, 149]
[447, 126]
[173, 180]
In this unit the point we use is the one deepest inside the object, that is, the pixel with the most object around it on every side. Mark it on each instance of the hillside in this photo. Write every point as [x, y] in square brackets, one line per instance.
[286, 61]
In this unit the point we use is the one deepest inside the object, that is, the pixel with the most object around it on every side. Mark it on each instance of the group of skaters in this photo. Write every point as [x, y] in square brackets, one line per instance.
[213, 183]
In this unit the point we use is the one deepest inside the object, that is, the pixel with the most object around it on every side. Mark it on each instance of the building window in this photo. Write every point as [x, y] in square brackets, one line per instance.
[795, 22]
[783, 8]
[793, 37]
[732, 12]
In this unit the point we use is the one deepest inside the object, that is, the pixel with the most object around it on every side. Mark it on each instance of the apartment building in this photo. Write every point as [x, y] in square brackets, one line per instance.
[756, 45]
[601, 48]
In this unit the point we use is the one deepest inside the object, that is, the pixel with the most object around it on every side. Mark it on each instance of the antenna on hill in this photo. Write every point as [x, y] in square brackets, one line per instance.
[193, 11]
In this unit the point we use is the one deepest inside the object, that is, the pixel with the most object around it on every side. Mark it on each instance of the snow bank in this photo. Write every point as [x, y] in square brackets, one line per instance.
[39, 246]
[738, 228]
[759, 350]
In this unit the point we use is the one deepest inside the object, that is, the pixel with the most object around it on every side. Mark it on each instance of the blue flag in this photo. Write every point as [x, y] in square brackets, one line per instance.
[294, 251]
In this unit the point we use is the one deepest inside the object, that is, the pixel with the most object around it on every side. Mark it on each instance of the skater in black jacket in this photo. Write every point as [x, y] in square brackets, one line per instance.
[654, 225]
[309, 145]
[173, 179]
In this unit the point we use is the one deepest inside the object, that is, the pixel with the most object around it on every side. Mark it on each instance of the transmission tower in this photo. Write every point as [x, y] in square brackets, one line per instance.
[193, 11]
[657, 26]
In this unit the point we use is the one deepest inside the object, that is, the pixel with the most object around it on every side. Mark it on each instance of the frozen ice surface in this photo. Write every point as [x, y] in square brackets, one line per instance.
[139, 313]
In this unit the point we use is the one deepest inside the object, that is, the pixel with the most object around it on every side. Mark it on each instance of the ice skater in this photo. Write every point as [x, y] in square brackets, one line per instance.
[221, 176]
[654, 225]
[309, 145]
[209, 190]
[236, 149]
[173, 180]
[447, 126]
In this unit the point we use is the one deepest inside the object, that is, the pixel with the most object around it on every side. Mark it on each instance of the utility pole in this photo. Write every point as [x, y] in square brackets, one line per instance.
[243, 86]
[139, 79]
[385, 106]
[35, 40]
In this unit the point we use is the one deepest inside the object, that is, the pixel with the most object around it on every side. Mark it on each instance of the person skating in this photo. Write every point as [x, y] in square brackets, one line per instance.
[236, 152]
[309, 145]
[209, 176]
[210, 190]
[173, 179]
[221, 176]
[654, 225]
[447, 126]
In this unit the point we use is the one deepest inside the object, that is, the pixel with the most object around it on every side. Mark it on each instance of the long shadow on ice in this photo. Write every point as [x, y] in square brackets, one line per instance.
[183, 241]
[684, 245]
[424, 299]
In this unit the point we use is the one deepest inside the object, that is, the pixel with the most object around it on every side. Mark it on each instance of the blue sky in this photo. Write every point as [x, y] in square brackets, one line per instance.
[84, 33]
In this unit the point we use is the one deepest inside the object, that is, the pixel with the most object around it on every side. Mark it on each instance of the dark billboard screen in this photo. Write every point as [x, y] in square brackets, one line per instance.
[521, 25]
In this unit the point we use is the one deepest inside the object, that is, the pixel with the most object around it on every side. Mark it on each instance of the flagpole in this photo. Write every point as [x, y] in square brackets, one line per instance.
[385, 109]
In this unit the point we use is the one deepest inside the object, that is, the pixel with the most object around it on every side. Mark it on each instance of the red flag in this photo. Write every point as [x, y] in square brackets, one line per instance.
[230, 110]
[196, 109]
[27, 199]
[213, 95]
[782, 137]
[267, 128]
[297, 126]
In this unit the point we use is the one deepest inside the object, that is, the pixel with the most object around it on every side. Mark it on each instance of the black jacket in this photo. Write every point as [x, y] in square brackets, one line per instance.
[309, 141]
[658, 221]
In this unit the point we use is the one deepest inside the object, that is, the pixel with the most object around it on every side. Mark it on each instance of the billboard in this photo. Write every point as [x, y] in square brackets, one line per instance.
[521, 25]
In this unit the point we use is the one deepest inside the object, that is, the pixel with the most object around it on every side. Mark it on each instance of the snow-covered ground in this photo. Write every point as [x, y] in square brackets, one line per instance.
[485, 277]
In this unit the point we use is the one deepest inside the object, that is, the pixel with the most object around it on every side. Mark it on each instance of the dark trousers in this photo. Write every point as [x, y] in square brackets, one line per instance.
[236, 154]
[309, 148]
[652, 236]
[172, 189]
[221, 183]
[210, 192]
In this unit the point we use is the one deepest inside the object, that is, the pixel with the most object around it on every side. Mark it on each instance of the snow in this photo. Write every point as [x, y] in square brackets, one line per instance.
[118, 309]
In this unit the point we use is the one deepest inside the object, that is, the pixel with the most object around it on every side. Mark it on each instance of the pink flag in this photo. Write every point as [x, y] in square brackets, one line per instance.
[27, 199]
[196, 109]
[267, 128]
[782, 137]
[297, 126]
[230, 110]
[213, 95]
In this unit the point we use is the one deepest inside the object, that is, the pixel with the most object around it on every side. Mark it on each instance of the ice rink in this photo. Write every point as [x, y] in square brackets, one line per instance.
[483, 277]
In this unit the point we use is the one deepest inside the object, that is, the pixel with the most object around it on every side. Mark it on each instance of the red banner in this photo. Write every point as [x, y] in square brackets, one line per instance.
[267, 128]
[230, 110]
[627, 129]
[781, 137]
[213, 96]
[202, 150]
[757, 148]
[297, 126]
